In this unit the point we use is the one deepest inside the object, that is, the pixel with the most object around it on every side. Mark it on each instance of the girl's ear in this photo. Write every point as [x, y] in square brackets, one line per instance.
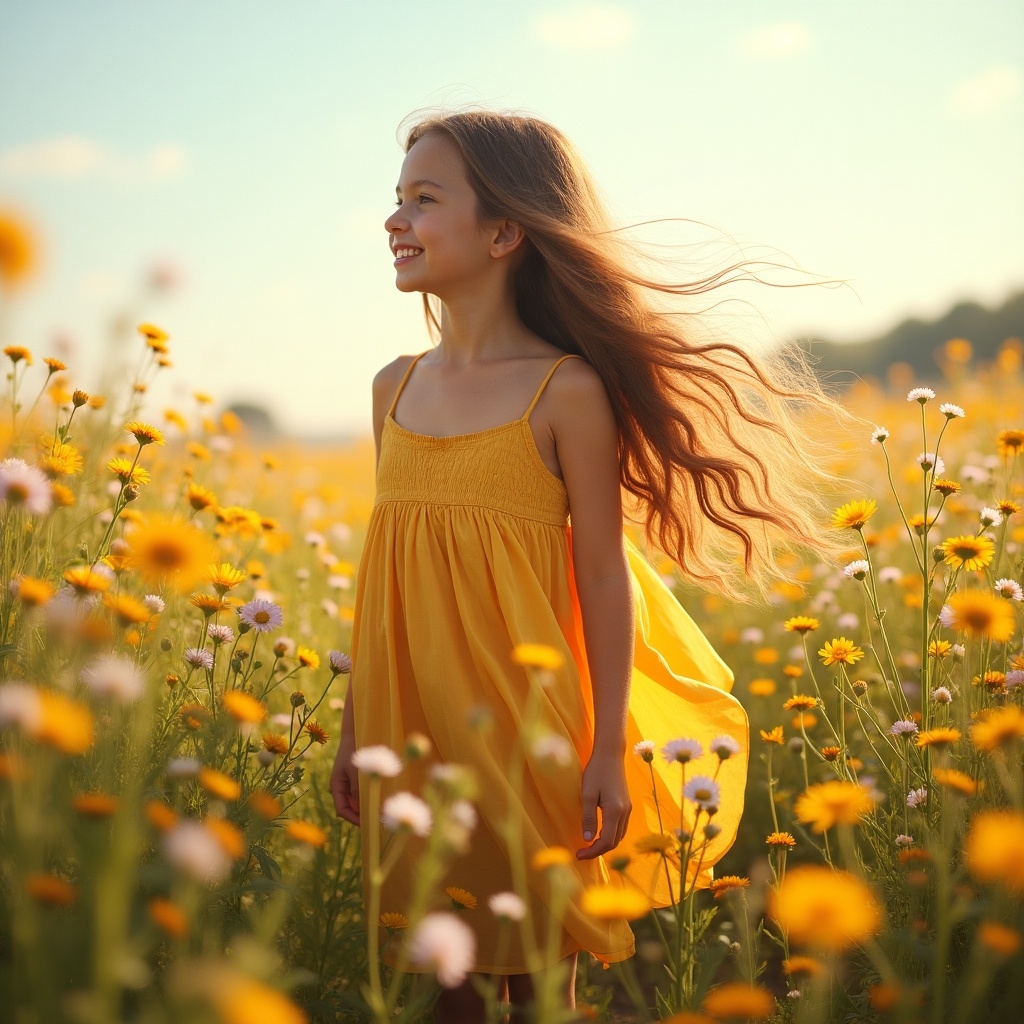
[506, 238]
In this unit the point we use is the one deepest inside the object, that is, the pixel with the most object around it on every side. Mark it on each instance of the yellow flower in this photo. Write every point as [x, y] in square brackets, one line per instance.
[219, 784]
[946, 487]
[612, 903]
[167, 549]
[307, 658]
[1008, 507]
[62, 495]
[655, 842]
[393, 922]
[773, 736]
[854, 514]
[144, 433]
[230, 837]
[17, 251]
[462, 899]
[781, 839]
[63, 723]
[766, 656]
[736, 999]
[831, 753]
[243, 707]
[792, 671]
[58, 459]
[761, 687]
[223, 577]
[840, 652]
[831, 803]
[208, 604]
[967, 552]
[939, 649]
[801, 965]
[998, 727]
[825, 909]
[801, 624]
[152, 333]
[999, 938]
[937, 738]
[94, 805]
[31, 591]
[994, 849]
[85, 581]
[316, 732]
[1010, 442]
[17, 353]
[275, 744]
[51, 889]
[800, 702]
[129, 610]
[168, 916]
[551, 857]
[160, 815]
[265, 805]
[126, 472]
[953, 779]
[538, 656]
[993, 679]
[980, 615]
[720, 886]
[241, 1000]
[200, 498]
[306, 832]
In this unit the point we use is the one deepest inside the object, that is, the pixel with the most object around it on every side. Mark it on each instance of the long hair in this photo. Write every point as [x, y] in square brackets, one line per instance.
[709, 443]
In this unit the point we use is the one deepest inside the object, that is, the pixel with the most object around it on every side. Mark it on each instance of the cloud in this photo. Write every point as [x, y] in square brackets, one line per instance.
[585, 27]
[779, 41]
[76, 157]
[986, 92]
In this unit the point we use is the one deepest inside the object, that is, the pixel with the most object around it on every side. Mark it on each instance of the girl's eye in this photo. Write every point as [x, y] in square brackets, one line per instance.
[424, 199]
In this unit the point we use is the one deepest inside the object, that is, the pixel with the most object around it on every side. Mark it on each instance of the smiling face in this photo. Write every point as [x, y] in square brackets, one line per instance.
[439, 243]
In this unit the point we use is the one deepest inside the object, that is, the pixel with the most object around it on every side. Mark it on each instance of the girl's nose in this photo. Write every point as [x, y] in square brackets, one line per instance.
[394, 220]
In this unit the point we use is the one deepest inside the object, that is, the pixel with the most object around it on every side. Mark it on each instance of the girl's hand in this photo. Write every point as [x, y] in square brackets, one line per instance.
[345, 778]
[604, 786]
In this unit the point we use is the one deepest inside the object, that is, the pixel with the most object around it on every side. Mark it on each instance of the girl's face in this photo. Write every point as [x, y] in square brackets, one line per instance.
[436, 235]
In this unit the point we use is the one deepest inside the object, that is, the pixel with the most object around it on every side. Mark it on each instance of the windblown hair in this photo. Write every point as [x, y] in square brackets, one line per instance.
[709, 441]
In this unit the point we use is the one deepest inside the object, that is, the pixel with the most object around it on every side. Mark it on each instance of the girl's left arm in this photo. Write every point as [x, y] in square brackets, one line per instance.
[587, 444]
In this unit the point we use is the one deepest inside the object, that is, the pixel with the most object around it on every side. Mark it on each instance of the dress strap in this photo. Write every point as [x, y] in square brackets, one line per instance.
[401, 387]
[544, 382]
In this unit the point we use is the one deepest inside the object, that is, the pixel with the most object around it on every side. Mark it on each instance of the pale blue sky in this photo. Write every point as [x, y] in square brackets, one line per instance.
[252, 144]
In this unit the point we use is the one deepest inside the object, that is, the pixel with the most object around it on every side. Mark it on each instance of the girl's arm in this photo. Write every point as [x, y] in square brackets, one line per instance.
[587, 443]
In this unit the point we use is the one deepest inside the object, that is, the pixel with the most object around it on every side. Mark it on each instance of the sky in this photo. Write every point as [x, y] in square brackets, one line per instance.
[248, 150]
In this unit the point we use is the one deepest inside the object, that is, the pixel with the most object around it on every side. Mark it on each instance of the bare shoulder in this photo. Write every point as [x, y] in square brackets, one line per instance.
[577, 390]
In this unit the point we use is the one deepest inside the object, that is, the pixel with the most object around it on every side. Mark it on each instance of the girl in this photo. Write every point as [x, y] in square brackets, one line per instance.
[556, 385]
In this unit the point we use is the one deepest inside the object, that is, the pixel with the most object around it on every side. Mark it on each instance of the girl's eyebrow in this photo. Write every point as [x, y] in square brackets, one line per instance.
[421, 181]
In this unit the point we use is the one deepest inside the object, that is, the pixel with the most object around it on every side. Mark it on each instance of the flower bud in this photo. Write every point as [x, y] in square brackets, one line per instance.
[79, 398]
[796, 745]
[711, 830]
[131, 492]
[165, 644]
[297, 699]
[265, 758]
[243, 626]
[859, 687]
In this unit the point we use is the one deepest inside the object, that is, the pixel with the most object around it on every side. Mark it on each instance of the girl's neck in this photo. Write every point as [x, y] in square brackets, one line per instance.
[475, 328]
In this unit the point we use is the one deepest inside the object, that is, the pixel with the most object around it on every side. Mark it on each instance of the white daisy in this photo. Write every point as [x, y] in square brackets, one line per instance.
[990, 517]
[879, 435]
[682, 750]
[446, 944]
[921, 395]
[25, 486]
[951, 411]
[111, 675]
[197, 851]
[377, 760]
[403, 811]
[1010, 589]
[507, 905]
[858, 569]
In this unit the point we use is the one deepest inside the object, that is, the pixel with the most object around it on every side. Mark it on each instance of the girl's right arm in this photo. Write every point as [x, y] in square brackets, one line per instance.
[344, 778]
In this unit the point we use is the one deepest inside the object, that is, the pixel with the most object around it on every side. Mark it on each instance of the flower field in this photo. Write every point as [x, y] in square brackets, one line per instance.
[174, 617]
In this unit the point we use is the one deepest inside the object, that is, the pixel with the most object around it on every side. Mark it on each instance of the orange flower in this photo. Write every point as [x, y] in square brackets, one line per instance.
[94, 805]
[826, 909]
[169, 917]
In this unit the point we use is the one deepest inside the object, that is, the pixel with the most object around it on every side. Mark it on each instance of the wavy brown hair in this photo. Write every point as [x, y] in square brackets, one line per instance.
[709, 442]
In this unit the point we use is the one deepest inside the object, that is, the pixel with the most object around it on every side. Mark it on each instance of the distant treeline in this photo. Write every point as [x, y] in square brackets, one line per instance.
[920, 344]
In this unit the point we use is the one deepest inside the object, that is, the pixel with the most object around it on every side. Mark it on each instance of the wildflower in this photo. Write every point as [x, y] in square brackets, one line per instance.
[939, 649]
[953, 779]
[979, 615]
[127, 472]
[297, 699]
[25, 486]
[199, 497]
[613, 903]
[1009, 589]
[800, 702]
[840, 652]
[538, 656]
[952, 412]
[262, 616]
[990, 517]
[59, 459]
[168, 549]
[998, 727]
[403, 811]
[831, 753]
[95, 805]
[854, 514]
[1014, 679]
[219, 785]
[937, 738]
[784, 839]
[84, 580]
[51, 889]
[942, 695]
[17, 353]
[655, 842]
[903, 727]
[446, 944]
[682, 750]
[128, 610]
[316, 732]
[858, 569]
[724, 746]
[703, 791]
[462, 899]
[644, 750]
[830, 803]
[341, 664]
[720, 886]
[221, 634]
[752, 635]
[761, 687]
[551, 857]
[801, 624]
[306, 832]
[922, 395]
[208, 604]
[946, 487]
[999, 938]
[1010, 442]
[223, 577]
[994, 849]
[1009, 508]
[916, 797]
[199, 657]
[993, 679]
[772, 736]
[801, 965]
[507, 906]
[737, 999]
[307, 658]
[827, 909]
[111, 675]
[144, 433]
[152, 333]
[30, 591]
[243, 707]
[195, 850]
[967, 552]
[879, 435]
[168, 916]
[766, 656]
[392, 921]
[183, 767]
[931, 463]
[265, 805]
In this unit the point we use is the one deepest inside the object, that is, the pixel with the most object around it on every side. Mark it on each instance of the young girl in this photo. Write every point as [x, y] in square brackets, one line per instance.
[555, 387]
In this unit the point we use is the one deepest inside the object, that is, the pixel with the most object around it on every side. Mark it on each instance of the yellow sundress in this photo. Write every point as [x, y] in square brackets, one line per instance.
[468, 554]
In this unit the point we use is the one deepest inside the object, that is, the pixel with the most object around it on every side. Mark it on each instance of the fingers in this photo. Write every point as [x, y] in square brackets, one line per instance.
[614, 821]
[345, 791]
